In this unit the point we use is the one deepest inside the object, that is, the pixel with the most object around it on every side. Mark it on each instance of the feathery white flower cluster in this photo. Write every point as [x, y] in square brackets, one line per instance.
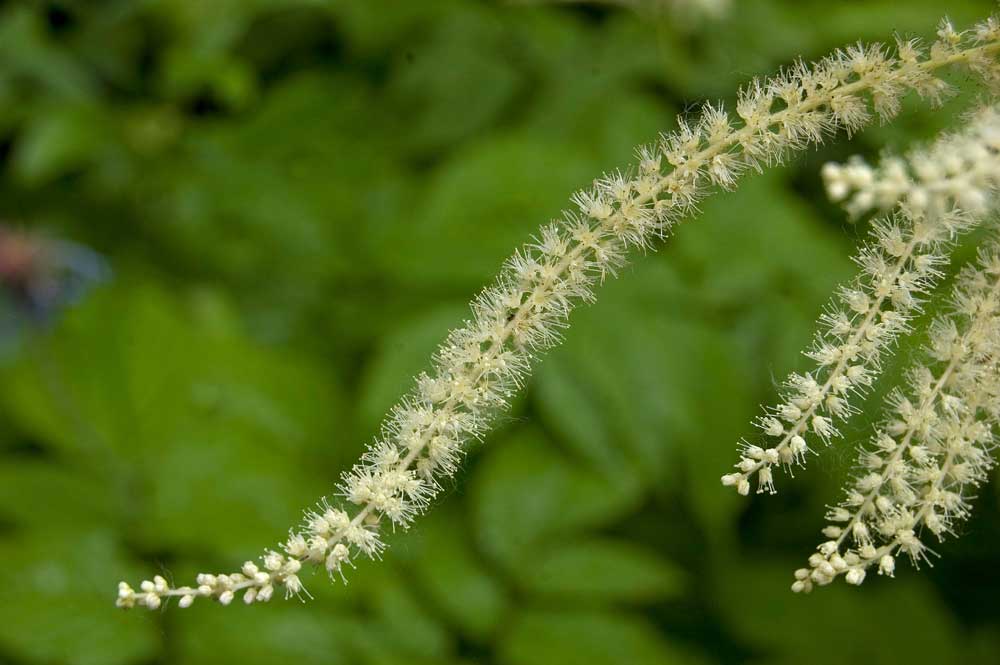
[897, 267]
[934, 447]
[479, 366]
[963, 169]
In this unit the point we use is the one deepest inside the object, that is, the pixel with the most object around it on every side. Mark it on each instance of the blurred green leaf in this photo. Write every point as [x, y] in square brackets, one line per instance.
[29, 56]
[526, 494]
[39, 493]
[374, 28]
[602, 569]
[542, 637]
[401, 619]
[609, 104]
[58, 600]
[187, 74]
[59, 140]
[281, 199]
[637, 375]
[454, 79]
[887, 621]
[452, 574]
[463, 231]
[200, 426]
[267, 634]
[402, 355]
[761, 239]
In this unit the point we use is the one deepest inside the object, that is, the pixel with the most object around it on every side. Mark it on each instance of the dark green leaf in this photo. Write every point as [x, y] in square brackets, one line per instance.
[541, 637]
[58, 600]
[601, 569]
[526, 494]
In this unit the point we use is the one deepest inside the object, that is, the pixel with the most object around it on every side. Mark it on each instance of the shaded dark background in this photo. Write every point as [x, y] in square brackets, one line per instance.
[234, 230]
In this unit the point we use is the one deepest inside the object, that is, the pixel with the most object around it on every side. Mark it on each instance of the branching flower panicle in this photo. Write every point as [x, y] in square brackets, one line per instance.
[521, 314]
[898, 266]
[934, 448]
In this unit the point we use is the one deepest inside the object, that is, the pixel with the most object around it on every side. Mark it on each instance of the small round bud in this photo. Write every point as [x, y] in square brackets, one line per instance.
[731, 479]
[855, 576]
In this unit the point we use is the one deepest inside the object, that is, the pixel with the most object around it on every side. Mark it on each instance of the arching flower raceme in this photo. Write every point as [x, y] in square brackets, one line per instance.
[480, 365]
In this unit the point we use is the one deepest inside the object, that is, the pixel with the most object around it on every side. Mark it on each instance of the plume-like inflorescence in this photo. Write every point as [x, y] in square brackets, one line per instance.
[898, 266]
[962, 168]
[934, 448]
[521, 314]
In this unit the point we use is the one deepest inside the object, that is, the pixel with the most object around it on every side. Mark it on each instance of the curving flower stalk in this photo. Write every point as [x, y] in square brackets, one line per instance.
[931, 451]
[898, 265]
[521, 314]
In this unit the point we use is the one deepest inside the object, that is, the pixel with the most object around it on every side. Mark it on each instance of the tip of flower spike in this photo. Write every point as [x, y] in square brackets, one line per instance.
[802, 583]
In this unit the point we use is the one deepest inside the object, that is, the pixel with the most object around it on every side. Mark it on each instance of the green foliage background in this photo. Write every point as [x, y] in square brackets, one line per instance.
[297, 199]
